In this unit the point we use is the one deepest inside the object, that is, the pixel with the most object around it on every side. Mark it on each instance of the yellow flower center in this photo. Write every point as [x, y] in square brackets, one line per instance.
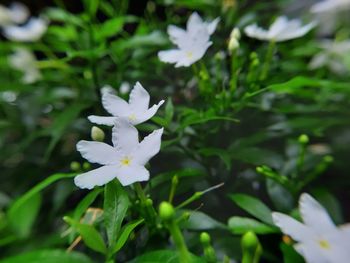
[126, 161]
[189, 54]
[132, 117]
[324, 244]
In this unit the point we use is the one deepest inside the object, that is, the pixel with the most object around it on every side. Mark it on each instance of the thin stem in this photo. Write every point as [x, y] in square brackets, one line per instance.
[174, 183]
[233, 80]
[268, 59]
[140, 193]
[179, 241]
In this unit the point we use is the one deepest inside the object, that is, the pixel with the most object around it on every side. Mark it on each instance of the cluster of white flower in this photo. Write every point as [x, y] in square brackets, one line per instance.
[126, 159]
[319, 240]
[18, 26]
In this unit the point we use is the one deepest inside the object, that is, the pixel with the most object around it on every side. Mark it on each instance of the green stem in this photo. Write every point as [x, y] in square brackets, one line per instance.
[233, 80]
[140, 193]
[179, 241]
[193, 198]
[174, 183]
[268, 59]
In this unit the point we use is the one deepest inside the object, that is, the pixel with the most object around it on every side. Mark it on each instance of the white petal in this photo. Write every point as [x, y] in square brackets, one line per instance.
[291, 227]
[314, 215]
[278, 26]
[311, 253]
[96, 177]
[318, 61]
[149, 147]
[212, 25]
[32, 31]
[98, 152]
[176, 34]
[144, 116]
[295, 32]
[194, 23]
[19, 13]
[31, 75]
[254, 31]
[170, 56]
[125, 136]
[345, 229]
[115, 105]
[139, 98]
[102, 120]
[132, 174]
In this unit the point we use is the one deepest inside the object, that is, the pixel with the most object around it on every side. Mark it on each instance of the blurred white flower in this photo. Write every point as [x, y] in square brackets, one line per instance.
[319, 240]
[332, 56]
[17, 13]
[233, 42]
[192, 43]
[136, 111]
[330, 6]
[24, 60]
[281, 30]
[33, 30]
[125, 160]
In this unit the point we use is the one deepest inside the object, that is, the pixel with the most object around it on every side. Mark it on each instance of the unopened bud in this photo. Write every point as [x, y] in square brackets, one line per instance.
[97, 134]
[233, 42]
[86, 166]
[205, 238]
[75, 166]
[303, 139]
[249, 241]
[166, 211]
[235, 33]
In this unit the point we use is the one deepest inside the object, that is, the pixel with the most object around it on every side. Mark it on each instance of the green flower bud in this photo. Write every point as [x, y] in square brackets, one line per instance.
[328, 159]
[166, 211]
[86, 166]
[249, 241]
[75, 166]
[303, 139]
[97, 134]
[149, 202]
[205, 238]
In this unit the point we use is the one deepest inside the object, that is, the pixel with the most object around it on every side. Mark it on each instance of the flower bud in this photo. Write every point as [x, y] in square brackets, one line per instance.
[233, 43]
[86, 166]
[166, 211]
[75, 166]
[303, 139]
[249, 241]
[235, 33]
[205, 238]
[97, 134]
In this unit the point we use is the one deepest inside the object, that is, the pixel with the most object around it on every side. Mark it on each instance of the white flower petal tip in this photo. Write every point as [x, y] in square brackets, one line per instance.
[32, 31]
[96, 177]
[280, 30]
[136, 111]
[329, 6]
[191, 43]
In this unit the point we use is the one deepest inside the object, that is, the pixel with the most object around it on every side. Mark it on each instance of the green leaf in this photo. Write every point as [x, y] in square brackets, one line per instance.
[89, 234]
[48, 256]
[116, 203]
[21, 218]
[91, 6]
[253, 206]
[290, 255]
[169, 110]
[30, 200]
[110, 28]
[163, 256]
[125, 233]
[200, 221]
[241, 225]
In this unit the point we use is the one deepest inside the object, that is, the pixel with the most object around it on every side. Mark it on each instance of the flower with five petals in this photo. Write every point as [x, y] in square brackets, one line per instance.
[319, 240]
[192, 43]
[136, 111]
[125, 160]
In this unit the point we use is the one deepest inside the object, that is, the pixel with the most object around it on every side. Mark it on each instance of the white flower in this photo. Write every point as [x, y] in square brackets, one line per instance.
[192, 43]
[124, 88]
[281, 30]
[17, 13]
[319, 240]
[24, 60]
[136, 111]
[332, 56]
[33, 30]
[330, 6]
[125, 160]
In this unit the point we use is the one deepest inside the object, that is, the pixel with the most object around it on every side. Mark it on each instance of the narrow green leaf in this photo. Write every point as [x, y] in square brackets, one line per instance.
[89, 234]
[253, 206]
[28, 205]
[85, 203]
[241, 225]
[163, 256]
[116, 203]
[48, 256]
[125, 233]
